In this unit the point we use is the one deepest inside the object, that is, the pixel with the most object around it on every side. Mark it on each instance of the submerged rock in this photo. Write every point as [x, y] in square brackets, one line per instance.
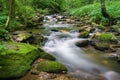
[51, 67]
[17, 59]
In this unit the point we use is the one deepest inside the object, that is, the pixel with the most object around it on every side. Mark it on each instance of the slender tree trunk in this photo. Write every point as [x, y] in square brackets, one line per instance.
[10, 5]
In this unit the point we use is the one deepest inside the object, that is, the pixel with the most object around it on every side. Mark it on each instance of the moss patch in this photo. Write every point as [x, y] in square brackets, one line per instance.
[83, 34]
[102, 46]
[45, 55]
[107, 37]
[17, 60]
[51, 67]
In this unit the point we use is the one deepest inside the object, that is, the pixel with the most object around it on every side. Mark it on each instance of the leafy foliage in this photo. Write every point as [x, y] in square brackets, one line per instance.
[25, 9]
[3, 19]
[94, 11]
[52, 5]
[3, 33]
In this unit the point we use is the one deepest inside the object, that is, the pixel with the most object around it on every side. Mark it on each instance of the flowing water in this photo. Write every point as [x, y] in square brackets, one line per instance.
[62, 45]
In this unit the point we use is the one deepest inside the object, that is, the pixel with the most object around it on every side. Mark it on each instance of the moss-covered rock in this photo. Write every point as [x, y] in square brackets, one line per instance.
[102, 46]
[83, 34]
[103, 41]
[98, 26]
[17, 60]
[51, 67]
[107, 37]
[22, 36]
[45, 55]
[116, 28]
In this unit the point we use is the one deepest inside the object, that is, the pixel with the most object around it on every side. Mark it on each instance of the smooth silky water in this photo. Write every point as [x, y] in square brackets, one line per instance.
[62, 45]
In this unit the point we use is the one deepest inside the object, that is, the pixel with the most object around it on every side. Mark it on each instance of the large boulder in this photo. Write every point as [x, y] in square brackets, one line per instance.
[107, 37]
[102, 41]
[51, 67]
[17, 59]
[102, 46]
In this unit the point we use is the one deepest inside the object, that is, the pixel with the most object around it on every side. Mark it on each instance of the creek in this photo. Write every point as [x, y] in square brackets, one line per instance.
[79, 64]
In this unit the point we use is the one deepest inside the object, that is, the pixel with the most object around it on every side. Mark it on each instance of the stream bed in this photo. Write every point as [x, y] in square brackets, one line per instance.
[61, 43]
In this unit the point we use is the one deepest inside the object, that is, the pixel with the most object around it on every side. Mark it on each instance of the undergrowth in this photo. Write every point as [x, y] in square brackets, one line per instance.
[93, 11]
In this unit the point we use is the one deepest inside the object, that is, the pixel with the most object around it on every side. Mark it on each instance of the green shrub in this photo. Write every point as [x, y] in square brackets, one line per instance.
[52, 5]
[3, 33]
[3, 19]
[116, 28]
[94, 11]
[23, 10]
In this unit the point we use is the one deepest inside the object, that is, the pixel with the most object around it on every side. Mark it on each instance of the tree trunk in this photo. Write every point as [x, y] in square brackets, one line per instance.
[104, 12]
[103, 9]
[10, 5]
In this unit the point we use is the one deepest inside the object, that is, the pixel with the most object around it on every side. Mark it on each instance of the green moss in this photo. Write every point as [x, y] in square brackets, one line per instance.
[18, 60]
[116, 28]
[51, 67]
[24, 36]
[45, 55]
[83, 34]
[19, 48]
[100, 26]
[102, 46]
[107, 37]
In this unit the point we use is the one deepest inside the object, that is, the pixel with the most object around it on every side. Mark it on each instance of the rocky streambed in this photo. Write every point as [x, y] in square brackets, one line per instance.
[63, 48]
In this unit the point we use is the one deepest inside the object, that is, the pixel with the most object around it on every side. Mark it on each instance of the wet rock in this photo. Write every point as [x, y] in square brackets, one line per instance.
[51, 67]
[38, 18]
[116, 28]
[103, 41]
[45, 55]
[92, 30]
[113, 56]
[38, 39]
[63, 31]
[82, 43]
[55, 30]
[21, 36]
[96, 35]
[64, 35]
[83, 34]
[17, 60]
[111, 75]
